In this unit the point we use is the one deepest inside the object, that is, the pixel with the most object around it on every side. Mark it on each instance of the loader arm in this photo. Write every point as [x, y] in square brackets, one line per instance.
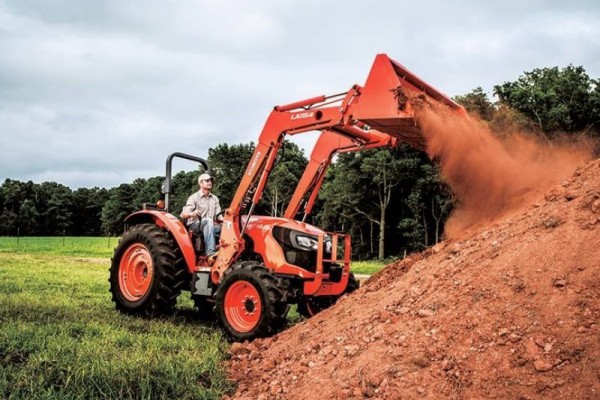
[363, 116]
[328, 145]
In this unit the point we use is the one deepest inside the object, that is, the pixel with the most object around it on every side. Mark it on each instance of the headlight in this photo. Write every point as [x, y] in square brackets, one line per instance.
[307, 242]
[328, 245]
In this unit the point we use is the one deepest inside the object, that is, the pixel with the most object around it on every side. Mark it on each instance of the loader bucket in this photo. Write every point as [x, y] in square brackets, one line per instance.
[388, 100]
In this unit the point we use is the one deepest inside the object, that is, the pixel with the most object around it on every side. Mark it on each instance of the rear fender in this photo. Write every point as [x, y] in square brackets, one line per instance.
[173, 225]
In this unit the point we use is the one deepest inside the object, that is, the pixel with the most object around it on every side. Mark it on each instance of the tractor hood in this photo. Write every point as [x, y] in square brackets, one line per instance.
[287, 245]
[265, 223]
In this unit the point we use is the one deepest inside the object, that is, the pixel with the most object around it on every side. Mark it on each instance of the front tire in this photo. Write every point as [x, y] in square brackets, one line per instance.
[147, 272]
[251, 301]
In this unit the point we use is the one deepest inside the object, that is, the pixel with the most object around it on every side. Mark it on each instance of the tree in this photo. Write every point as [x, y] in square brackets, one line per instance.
[120, 203]
[228, 164]
[477, 102]
[28, 219]
[431, 201]
[284, 178]
[385, 172]
[341, 193]
[362, 186]
[279, 189]
[183, 185]
[147, 190]
[555, 99]
[10, 222]
[402, 184]
[59, 211]
[20, 211]
[14, 193]
[507, 120]
[87, 211]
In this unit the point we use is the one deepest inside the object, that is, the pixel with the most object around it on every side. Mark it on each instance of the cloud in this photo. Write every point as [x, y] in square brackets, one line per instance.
[99, 93]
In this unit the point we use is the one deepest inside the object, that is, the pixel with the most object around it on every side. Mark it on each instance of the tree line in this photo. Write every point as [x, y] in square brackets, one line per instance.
[390, 200]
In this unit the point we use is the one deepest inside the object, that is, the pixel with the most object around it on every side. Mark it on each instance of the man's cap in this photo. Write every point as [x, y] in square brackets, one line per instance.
[204, 177]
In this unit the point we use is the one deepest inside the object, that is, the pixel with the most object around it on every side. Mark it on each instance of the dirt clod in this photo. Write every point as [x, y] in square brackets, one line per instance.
[596, 206]
[560, 282]
[542, 366]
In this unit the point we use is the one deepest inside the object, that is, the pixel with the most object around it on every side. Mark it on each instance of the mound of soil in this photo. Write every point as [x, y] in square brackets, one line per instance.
[505, 311]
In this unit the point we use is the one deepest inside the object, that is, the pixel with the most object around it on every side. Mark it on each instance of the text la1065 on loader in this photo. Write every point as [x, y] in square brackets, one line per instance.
[264, 264]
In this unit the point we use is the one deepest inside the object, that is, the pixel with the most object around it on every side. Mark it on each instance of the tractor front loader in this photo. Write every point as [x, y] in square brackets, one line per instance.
[265, 264]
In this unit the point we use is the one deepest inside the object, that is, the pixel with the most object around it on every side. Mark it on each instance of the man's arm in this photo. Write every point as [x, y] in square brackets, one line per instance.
[189, 210]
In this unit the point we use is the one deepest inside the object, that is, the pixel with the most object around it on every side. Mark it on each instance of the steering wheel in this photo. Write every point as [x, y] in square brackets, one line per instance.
[216, 218]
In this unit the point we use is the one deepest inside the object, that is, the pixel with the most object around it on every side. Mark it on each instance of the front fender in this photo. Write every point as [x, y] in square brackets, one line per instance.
[174, 226]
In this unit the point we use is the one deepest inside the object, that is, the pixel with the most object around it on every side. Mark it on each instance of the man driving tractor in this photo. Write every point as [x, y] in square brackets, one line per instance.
[200, 211]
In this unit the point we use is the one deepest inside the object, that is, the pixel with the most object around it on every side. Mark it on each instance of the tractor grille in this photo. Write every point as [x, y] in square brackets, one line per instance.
[296, 250]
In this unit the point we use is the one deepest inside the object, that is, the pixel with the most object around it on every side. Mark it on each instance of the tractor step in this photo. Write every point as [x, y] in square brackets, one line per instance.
[201, 284]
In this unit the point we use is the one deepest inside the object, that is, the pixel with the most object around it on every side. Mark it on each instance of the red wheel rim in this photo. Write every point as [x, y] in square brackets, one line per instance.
[135, 272]
[243, 307]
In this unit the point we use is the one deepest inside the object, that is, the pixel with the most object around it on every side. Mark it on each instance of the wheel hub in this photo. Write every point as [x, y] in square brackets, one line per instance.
[135, 272]
[243, 306]
[249, 305]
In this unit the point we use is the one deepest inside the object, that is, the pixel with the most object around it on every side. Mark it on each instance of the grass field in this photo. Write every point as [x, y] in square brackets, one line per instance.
[369, 267]
[61, 338]
[83, 246]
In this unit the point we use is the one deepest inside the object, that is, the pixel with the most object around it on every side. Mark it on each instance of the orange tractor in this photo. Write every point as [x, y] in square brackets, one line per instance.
[264, 264]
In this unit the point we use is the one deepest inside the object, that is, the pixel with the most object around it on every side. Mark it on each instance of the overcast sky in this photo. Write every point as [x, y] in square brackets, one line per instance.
[98, 93]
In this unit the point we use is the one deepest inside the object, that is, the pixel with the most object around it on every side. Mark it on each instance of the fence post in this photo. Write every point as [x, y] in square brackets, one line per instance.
[18, 234]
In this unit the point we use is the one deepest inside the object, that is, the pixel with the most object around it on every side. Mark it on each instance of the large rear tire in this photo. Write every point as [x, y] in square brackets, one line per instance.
[251, 301]
[312, 305]
[147, 272]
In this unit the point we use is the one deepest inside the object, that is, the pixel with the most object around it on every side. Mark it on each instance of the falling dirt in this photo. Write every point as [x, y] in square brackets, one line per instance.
[491, 174]
[507, 309]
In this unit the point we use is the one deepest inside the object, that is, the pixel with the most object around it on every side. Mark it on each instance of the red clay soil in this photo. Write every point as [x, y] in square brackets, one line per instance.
[509, 310]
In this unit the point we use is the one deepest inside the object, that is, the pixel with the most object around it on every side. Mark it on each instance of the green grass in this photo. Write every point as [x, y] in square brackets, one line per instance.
[369, 267]
[83, 246]
[61, 338]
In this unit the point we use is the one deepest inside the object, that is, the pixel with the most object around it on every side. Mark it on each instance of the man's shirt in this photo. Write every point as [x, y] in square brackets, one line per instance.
[208, 205]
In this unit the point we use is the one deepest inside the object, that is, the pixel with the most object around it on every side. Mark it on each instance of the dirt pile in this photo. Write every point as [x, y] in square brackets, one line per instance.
[508, 311]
